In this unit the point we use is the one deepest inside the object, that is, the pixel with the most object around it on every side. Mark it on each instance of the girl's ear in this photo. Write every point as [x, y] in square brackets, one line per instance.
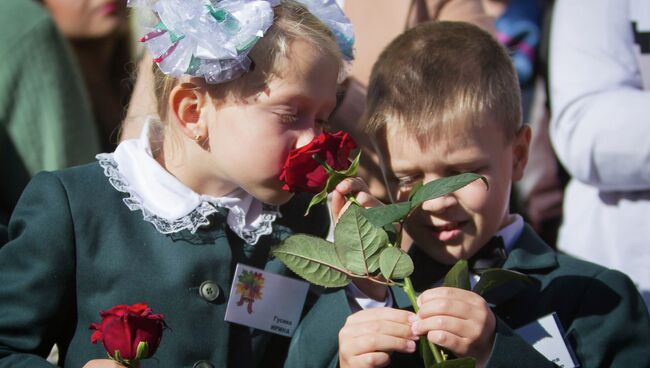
[186, 101]
[520, 149]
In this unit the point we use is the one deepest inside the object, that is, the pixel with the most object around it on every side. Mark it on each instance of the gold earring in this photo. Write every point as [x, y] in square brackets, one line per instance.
[197, 137]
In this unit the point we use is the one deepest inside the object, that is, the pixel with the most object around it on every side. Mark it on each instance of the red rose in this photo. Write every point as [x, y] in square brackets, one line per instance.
[124, 327]
[302, 173]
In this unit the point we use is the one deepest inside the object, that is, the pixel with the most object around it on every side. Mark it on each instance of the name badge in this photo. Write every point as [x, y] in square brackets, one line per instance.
[265, 300]
[546, 335]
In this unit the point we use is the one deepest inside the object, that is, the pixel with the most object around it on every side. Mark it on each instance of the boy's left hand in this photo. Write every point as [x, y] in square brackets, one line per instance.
[458, 320]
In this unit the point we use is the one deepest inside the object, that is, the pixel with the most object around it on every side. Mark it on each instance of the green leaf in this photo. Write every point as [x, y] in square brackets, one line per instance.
[392, 233]
[395, 212]
[415, 189]
[142, 350]
[333, 180]
[313, 259]
[358, 242]
[442, 186]
[318, 198]
[456, 363]
[458, 276]
[394, 263]
[493, 278]
[389, 214]
[352, 170]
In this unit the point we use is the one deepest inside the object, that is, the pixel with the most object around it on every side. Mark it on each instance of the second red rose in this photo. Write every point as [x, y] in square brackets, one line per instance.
[123, 327]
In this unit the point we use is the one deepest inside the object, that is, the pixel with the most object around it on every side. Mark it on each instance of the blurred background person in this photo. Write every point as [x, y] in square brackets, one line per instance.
[45, 116]
[599, 78]
[72, 57]
[518, 26]
[523, 27]
[98, 32]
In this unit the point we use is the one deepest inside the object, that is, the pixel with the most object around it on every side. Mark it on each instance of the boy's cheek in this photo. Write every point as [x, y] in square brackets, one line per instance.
[475, 197]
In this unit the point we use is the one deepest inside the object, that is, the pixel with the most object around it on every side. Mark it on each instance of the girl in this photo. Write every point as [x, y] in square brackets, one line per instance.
[165, 219]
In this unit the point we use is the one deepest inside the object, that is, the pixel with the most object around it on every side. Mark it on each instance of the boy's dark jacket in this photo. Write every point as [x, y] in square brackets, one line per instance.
[76, 249]
[601, 311]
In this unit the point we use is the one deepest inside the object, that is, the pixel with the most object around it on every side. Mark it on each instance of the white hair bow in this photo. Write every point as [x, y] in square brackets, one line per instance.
[212, 38]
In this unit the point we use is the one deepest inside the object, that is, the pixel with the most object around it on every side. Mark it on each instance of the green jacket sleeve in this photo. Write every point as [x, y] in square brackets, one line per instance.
[611, 327]
[43, 104]
[315, 342]
[510, 350]
[37, 275]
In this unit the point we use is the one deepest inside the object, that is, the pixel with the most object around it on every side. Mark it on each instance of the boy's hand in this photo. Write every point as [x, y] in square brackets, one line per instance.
[369, 336]
[355, 186]
[458, 320]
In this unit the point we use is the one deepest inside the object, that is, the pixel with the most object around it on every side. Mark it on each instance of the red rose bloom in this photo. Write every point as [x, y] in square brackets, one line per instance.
[123, 327]
[302, 173]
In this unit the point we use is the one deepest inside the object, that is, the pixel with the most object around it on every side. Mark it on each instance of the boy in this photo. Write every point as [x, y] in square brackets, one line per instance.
[444, 99]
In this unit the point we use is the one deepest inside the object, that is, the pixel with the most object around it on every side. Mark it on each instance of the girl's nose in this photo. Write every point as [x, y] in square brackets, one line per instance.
[307, 135]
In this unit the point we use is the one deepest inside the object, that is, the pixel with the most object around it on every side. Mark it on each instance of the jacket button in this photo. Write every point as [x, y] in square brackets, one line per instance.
[209, 290]
[202, 364]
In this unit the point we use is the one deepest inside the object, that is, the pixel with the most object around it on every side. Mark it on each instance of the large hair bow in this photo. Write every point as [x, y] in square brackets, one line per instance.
[212, 38]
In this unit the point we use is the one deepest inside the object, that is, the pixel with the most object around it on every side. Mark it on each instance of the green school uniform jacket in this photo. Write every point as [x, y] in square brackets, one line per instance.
[76, 249]
[601, 311]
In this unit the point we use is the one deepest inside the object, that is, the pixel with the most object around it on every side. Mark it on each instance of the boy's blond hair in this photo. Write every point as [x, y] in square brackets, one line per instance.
[438, 77]
[269, 56]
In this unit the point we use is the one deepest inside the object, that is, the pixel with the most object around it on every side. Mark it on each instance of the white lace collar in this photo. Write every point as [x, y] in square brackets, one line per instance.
[170, 205]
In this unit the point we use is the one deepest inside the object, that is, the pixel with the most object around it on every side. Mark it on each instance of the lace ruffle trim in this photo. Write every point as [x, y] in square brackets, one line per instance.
[193, 220]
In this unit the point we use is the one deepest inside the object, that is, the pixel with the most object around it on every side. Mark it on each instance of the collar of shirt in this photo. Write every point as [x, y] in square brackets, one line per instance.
[163, 195]
[511, 232]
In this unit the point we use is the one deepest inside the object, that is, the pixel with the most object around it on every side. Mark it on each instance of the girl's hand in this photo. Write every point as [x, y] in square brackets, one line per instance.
[369, 336]
[355, 186]
[458, 320]
[103, 363]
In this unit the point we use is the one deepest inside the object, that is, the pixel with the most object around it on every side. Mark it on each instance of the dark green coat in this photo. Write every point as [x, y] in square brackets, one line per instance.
[76, 249]
[601, 311]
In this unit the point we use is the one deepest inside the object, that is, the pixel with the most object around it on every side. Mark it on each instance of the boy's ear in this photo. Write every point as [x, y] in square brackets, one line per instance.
[520, 149]
[185, 103]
